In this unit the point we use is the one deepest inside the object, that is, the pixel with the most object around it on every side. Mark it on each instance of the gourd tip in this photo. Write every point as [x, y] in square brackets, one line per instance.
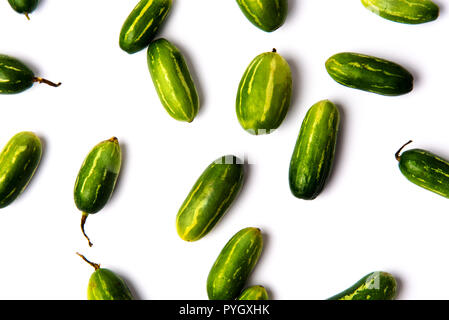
[397, 154]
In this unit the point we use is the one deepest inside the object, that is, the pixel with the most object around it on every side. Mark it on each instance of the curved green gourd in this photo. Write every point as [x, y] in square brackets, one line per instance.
[106, 285]
[267, 15]
[19, 160]
[374, 286]
[142, 24]
[172, 80]
[16, 77]
[210, 197]
[24, 6]
[254, 293]
[313, 156]
[369, 73]
[404, 11]
[96, 178]
[425, 169]
[264, 94]
[234, 264]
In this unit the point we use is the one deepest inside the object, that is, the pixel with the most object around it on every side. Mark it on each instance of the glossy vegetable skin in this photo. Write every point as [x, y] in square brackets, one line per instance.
[369, 73]
[267, 15]
[314, 152]
[172, 80]
[234, 264]
[210, 197]
[19, 160]
[142, 24]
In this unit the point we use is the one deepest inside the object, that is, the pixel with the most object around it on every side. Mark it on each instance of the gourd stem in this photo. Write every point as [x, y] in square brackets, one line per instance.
[396, 155]
[113, 139]
[83, 222]
[26, 15]
[42, 80]
[95, 265]
[274, 50]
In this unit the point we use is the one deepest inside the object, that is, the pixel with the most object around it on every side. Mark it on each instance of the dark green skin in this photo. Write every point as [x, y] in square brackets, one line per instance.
[15, 76]
[24, 6]
[172, 80]
[373, 286]
[234, 264]
[142, 24]
[97, 176]
[106, 285]
[267, 15]
[404, 11]
[369, 73]
[426, 170]
[210, 197]
[314, 151]
[254, 293]
[19, 160]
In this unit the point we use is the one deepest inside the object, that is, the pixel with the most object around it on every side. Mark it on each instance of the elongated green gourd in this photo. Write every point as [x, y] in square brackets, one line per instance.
[106, 285]
[314, 151]
[16, 77]
[24, 6]
[264, 94]
[425, 169]
[142, 24]
[374, 286]
[96, 178]
[267, 15]
[369, 73]
[254, 293]
[19, 160]
[172, 80]
[404, 11]
[210, 198]
[234, 264]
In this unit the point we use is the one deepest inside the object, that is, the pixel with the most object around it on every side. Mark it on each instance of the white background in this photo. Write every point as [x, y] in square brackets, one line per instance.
[368, 218]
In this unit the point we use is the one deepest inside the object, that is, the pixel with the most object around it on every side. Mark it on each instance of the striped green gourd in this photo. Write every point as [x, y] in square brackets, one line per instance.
[374, 286]
[425, 169]
[234, 264]
[16, 77]
[172, 80]
[210, 198]
[369, 73]
[142, 24]
[24, 6]
[104, 284]
[314, 151]
[254, 293]
[19, 160]
[404, 11]
[267, 15]
[96, 179]
[264, 94]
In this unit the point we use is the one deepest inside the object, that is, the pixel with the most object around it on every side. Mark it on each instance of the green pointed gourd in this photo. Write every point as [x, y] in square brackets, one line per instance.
[374, 286]
[210, 197]
[97, 178]
[425, 169]
[142, 24]
[267, 15]
[234, 264]
[404, 11]
[369, 73]
[264, 94]
[104, 284]
[24, 6]
[16, 77]
[313, 156]
[172, 80]
[254, 293]
[19, 160]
